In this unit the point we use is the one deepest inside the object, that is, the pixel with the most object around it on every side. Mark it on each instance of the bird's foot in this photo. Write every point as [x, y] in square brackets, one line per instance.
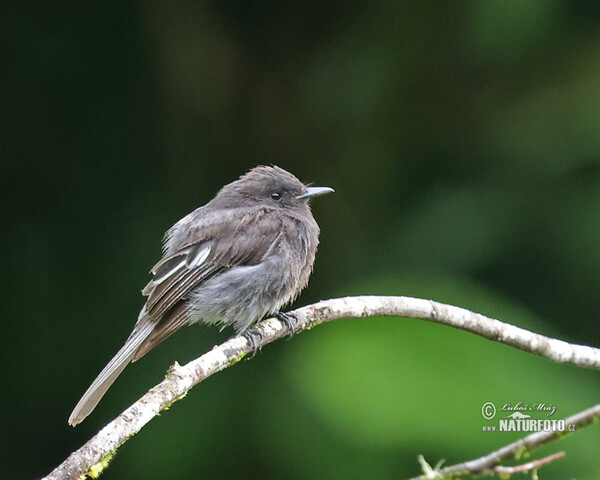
[253, 336]
[289, 320]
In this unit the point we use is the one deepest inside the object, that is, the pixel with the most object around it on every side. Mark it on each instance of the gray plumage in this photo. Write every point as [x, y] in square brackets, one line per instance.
[233, 261]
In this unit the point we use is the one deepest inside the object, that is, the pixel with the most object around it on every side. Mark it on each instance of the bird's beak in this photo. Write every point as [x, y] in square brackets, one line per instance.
[314, 192]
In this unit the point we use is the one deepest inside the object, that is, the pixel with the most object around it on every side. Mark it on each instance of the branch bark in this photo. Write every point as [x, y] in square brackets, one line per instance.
[95, 454]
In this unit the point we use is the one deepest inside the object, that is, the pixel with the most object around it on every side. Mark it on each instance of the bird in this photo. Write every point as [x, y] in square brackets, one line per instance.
[231, 262]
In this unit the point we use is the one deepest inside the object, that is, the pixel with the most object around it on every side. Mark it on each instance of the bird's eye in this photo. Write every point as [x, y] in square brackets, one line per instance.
[275, 195]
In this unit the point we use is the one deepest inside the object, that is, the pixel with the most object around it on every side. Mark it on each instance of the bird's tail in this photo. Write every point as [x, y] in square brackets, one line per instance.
[110, 373]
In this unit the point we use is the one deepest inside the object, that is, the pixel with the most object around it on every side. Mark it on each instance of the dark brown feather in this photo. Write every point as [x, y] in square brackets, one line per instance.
[166, 294]
[169, 324]
[242, 244]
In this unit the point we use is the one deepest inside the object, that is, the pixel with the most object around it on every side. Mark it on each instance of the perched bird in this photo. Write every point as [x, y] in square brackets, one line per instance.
[241, 257]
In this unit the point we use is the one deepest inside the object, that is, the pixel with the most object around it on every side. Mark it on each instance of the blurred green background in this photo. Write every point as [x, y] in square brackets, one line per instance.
[463, 141]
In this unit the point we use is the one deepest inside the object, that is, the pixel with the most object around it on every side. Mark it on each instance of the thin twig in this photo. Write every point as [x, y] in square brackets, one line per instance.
[525, 467]
[94, 455]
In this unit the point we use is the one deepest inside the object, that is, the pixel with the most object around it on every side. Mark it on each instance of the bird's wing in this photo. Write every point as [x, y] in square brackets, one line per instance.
[202, 254]
[243, 243]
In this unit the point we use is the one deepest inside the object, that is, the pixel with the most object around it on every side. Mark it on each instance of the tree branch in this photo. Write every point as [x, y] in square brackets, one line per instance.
[95, 454]
[488, 464]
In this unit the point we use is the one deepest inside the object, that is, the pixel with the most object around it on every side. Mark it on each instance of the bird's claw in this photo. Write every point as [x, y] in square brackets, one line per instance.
[289, 320]
[251, 335]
